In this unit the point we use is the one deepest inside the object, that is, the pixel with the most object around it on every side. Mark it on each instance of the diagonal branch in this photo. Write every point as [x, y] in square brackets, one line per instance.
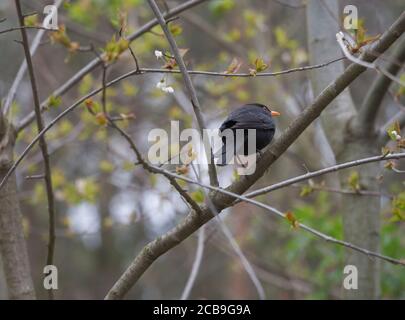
[223, 198]
[161, 245]
[312, 112]
[372, 65]
[42, 142]
[372, 102]
[190, 88]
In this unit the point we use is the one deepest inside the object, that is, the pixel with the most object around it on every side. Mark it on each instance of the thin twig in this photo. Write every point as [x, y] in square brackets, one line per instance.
[243, 75]
[375, 94]
[190, 88]
[344, 191]
[282, 215]
[321, 172]
[42, 143]
[196, 264]
[35, 177]
[232, 241]
[142, 71]
[138, 266]
[20, 74]
[371, 65]
[25, 28]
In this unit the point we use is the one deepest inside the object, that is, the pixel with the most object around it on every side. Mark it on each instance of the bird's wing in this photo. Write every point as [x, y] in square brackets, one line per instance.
[248, 120]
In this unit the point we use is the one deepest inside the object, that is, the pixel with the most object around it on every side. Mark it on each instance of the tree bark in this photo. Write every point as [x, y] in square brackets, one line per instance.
[360, 214]
[12, 242]
[361, 220]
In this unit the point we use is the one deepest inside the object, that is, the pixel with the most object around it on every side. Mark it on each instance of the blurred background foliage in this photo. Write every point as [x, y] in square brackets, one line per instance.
[108, 208]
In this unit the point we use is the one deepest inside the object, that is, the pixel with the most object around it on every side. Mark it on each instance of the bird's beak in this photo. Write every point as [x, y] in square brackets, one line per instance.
[275, 113]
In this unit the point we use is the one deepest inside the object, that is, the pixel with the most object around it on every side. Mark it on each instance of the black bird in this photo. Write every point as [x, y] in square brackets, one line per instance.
[250, 116]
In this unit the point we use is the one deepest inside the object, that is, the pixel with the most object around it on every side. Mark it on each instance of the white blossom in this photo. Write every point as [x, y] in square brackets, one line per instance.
[158, 54]
[396, 135]
[162, 85]
[168, 89]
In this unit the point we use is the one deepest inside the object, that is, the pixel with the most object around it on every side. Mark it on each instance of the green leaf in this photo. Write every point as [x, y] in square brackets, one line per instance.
[54, 102]
[219, 7]
[260, 65]
[198, 196]
[106, 166]
[306, 190]
[175, 29]
[31, 20]
[353, 181]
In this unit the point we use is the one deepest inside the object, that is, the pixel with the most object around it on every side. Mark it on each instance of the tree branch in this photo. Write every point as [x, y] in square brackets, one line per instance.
[318, 173]
[241, 75]
[42, 142]
[25, 28]
[372, 102]
[223, 198]
[162, 244]
[190, 88]
[196, 264]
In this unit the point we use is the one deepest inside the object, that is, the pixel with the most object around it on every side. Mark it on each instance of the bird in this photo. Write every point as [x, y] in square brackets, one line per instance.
[249, 116]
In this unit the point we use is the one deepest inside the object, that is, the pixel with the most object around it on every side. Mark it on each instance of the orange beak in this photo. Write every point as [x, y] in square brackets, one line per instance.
[275, 113]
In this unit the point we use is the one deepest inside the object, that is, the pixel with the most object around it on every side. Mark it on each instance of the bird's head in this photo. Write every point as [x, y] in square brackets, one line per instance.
[267, 109]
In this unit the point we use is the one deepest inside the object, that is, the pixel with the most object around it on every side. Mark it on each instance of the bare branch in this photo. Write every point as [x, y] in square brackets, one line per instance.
[190, 88]
[321, 172]
[242, 75]
[25, 28]
[161, 245]
[245, 262]
[42, 142]
[344, 191]
[372, 65]
[232, 241]
[196, 264]
[372, 102]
